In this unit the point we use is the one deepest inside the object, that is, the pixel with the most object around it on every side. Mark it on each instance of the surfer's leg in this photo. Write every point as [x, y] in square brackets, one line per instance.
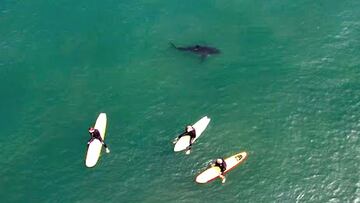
[103, 143]
[191, 141]
[105, 146]
[223, 179]
[190, 145]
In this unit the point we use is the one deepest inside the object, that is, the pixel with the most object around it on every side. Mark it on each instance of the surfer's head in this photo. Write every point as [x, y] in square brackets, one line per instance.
[219, 161]
[91, 130]
[189, 128]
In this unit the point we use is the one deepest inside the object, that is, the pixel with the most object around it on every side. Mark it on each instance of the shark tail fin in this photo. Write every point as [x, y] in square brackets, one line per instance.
[173, 45]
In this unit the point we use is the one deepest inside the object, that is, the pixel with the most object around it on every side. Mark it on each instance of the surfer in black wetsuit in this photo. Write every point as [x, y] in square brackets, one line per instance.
[95, 134]
[189, 131]
[222, 165]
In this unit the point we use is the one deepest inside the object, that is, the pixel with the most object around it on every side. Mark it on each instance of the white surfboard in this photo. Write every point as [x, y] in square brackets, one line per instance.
[94, 149]
[213, 172]
[199, 127]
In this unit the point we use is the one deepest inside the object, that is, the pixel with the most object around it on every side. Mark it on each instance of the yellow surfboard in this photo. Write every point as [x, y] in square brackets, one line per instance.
[94, 149]
[213, 172]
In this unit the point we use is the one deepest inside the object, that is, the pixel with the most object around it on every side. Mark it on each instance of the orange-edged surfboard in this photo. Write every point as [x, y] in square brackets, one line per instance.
[213, 172]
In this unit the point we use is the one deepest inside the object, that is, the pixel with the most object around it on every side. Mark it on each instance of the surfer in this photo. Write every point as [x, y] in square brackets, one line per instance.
[189, 131]
[95, 134]
[222, 165]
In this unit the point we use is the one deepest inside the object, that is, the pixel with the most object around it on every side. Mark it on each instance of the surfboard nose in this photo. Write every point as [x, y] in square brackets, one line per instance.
[200, 180]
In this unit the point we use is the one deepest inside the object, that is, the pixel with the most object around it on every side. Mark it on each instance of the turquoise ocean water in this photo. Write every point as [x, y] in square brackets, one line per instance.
[286, 89]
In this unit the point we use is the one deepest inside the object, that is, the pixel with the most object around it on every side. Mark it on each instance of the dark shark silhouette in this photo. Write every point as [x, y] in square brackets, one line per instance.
[203, 51]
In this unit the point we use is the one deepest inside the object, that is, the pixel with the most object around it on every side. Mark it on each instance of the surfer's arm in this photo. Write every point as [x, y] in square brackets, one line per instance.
[182, 134]
[90, 140]
[178, 137]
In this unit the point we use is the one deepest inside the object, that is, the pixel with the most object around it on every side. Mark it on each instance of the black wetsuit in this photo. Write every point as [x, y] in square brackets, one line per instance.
[192, 135]
[96, 135]
[222, 166]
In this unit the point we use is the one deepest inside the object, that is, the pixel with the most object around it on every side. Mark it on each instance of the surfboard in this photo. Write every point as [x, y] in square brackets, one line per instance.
[94, 149]
[213, 172]
[199, 127]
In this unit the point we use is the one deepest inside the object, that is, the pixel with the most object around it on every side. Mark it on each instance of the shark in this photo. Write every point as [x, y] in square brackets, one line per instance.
[202, 51]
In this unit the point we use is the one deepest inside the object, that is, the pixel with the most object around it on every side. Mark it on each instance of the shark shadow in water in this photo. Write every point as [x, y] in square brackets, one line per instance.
[202, 51]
